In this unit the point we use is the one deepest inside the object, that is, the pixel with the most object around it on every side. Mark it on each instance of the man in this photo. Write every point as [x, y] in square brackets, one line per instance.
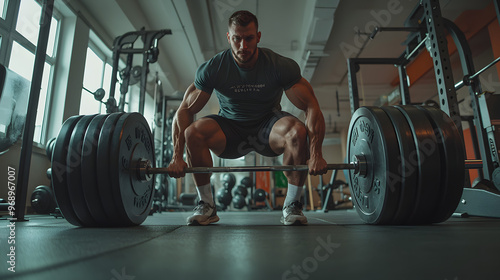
[249, 82]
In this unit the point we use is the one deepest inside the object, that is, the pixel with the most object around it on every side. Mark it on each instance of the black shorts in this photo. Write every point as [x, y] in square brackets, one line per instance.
[243, 137]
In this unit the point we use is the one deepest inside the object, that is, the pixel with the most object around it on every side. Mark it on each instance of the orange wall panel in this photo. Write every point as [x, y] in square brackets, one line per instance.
[494, 30]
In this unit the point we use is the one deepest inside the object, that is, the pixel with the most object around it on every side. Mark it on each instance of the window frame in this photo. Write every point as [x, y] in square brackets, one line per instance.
[9, 35]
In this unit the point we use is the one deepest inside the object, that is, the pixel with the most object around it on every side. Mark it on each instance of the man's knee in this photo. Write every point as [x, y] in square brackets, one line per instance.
[202, 134]
[192, 135]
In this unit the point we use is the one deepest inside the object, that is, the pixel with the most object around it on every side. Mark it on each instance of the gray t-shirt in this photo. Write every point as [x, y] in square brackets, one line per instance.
[247, 94]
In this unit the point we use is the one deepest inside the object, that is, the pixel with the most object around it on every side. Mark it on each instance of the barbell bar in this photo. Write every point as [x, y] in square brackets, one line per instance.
[145, 169]
[467, 79]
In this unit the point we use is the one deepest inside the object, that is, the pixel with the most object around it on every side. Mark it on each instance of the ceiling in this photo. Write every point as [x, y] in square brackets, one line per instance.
[319, 35]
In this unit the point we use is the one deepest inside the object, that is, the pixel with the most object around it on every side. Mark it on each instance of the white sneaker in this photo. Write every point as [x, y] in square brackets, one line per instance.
[204, 214]
[292, 214]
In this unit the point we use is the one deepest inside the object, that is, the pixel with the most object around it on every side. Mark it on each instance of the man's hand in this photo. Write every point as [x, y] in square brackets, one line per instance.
[177, 168]
[317, 165]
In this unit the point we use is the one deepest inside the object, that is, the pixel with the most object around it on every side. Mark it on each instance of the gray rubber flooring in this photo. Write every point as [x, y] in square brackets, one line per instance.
[253, 245]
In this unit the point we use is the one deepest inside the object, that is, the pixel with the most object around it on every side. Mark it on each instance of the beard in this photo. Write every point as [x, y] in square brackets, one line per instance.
[241, 60]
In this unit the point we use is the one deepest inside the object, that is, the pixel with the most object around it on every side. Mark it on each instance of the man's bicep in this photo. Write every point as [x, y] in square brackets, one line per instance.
[302, 95]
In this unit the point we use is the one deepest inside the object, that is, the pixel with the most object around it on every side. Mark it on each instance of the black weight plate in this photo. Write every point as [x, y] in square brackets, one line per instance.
[427, 162]
[452, 162]
[408, 170]
[42, 200]
[495, 177]
[132, 140]
[74, 172]
[89, 168]
[59, 178]
[376, 194]
[49, 148]
[103, 170]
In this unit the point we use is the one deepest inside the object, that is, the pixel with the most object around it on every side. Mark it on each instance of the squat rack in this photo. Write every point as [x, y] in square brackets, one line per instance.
[427, 28]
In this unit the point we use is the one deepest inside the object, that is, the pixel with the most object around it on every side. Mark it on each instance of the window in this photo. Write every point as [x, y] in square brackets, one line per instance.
[19, 36]
[92, 80]
[97, 75]
[3, 8]
[28, 24]
[20, 58]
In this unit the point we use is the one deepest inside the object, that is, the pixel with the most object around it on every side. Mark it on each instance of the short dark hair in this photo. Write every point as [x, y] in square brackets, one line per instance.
[243, 18]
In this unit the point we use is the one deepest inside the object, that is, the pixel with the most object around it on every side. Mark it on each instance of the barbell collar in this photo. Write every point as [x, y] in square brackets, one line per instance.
[143, 167]
[361, 165]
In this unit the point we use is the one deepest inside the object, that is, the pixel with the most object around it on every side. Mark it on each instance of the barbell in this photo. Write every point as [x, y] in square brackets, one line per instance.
[405, 166]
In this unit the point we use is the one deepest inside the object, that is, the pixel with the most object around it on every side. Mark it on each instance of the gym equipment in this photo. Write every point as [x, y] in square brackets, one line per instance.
[224, 197]
[228, 180]
[124, 44]
[49, 148]
[34, 96]
[325, 192]
[470, 78]
[188, 198]
[113, 196]
[429, 30]
[241, 190]
[98, 94]
[496, 177]
[42, 200]
[239, 201]
[259, 195]
[407, 167]
[246, 182]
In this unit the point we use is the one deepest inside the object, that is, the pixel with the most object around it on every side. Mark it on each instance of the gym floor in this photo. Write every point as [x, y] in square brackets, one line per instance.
[253, 245]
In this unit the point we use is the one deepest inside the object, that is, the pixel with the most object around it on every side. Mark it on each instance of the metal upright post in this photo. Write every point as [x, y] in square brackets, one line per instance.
[441, 60]
[144, 76]
[29, 128]
[482, 122]
[403, 85]
[353, 68]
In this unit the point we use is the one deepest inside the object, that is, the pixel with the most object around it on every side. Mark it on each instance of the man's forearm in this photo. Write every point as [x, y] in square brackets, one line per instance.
[181, 121]
[315, 125]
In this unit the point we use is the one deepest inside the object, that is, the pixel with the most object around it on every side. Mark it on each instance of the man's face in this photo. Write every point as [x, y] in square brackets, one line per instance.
[243, 41]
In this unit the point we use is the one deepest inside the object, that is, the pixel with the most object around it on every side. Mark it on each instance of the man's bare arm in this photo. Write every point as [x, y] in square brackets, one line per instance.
[302, 96]
[194, 100]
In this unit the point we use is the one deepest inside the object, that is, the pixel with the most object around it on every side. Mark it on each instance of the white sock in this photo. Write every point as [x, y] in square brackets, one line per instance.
[205, 194]
[293, 194]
